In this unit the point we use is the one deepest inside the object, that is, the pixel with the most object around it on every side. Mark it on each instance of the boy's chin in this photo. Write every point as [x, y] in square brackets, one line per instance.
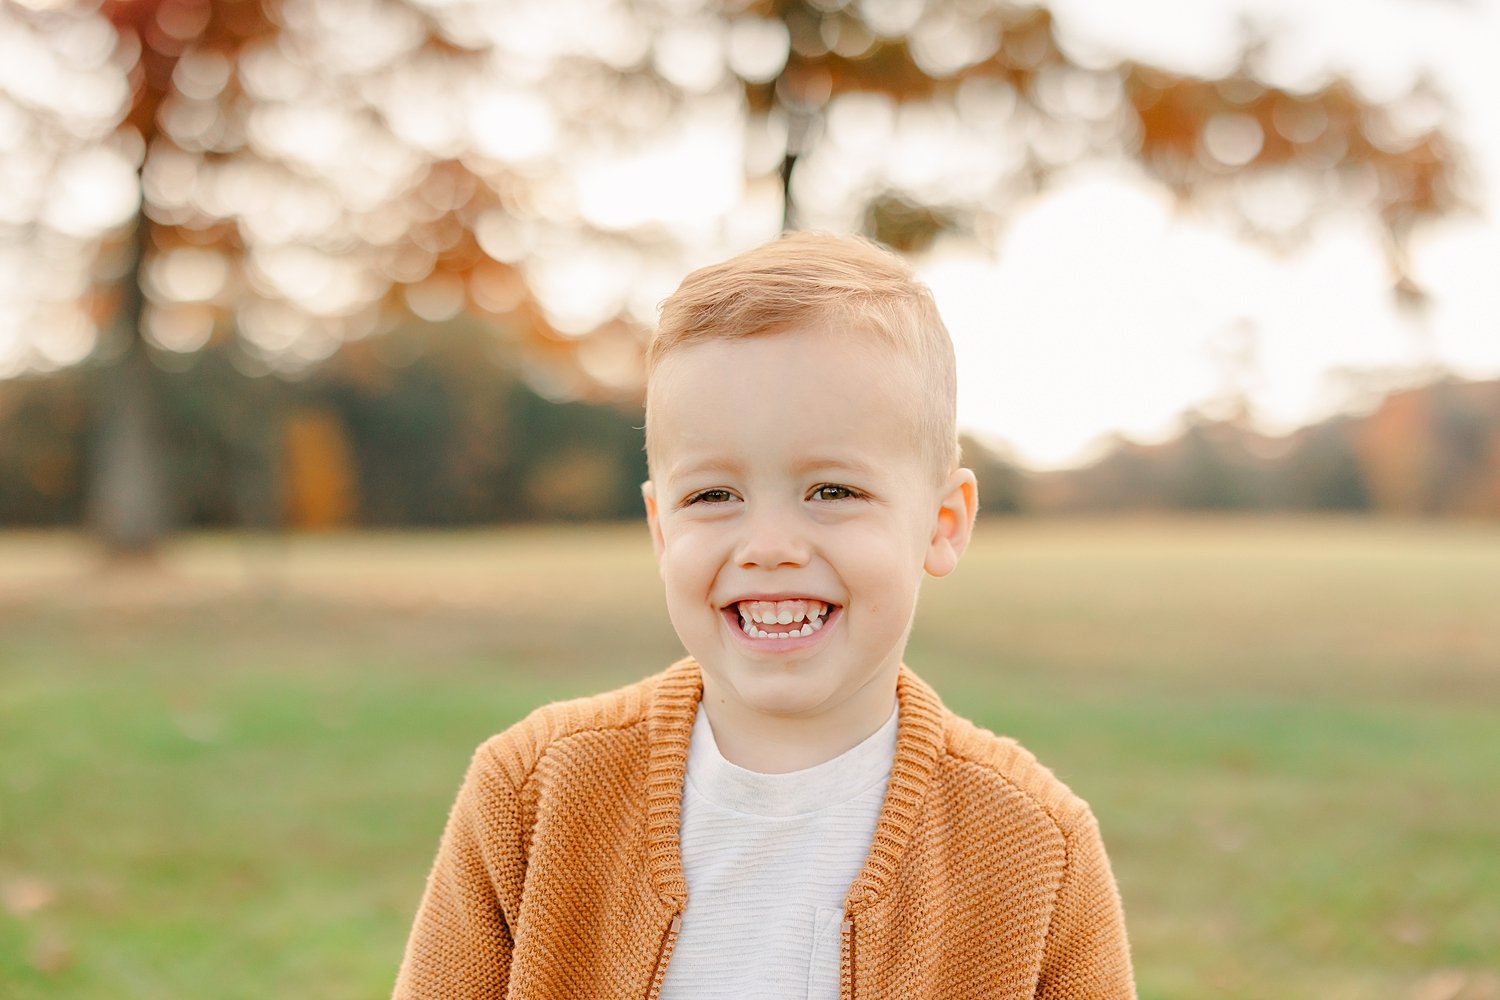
[785, 699]
[786, 692]
[770, 690]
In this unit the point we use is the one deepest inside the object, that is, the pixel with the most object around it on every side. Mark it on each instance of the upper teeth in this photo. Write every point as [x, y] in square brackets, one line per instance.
[782, 612]
[753, 613]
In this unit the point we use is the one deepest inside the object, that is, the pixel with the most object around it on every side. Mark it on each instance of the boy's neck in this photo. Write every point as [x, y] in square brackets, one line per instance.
[778, 744]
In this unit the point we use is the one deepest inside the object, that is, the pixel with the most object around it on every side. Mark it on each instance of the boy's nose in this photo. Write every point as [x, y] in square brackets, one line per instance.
[770, 541]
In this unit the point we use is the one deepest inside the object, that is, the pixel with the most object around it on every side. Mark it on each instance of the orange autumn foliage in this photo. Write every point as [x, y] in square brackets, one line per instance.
[318, 472]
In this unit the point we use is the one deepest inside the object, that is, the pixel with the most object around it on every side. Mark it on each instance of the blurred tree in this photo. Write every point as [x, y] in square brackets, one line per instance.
[1434, 450]
[319, 491]
[1213, 469]
[1042, 100]
[41, 444]
[292, 174]
[418, 426]
[1321, 471]
[335, 448]
[304, 173]
[1427, 451]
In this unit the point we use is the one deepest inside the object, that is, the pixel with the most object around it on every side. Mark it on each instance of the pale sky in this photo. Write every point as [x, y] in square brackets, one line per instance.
[1052, 364]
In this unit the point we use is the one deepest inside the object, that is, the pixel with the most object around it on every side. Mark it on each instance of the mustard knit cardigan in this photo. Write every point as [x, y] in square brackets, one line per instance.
[559, 874]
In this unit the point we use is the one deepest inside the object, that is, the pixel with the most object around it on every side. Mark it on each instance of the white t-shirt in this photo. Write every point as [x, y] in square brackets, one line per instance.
[768, 860]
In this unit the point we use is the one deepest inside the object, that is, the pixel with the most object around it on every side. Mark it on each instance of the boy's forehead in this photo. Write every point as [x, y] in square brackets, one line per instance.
[831, 362]
[829, 346]
[827, 391]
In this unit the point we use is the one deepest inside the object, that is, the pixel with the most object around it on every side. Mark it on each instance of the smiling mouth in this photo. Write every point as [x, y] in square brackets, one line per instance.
[781, 619]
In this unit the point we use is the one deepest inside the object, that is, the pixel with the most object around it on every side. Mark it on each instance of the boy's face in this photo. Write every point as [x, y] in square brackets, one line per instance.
[789, 481]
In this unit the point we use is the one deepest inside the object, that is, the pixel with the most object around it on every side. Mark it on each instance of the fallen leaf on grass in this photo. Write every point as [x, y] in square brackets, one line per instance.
[1457, 984]
[1410, 929]
[51, 952]
[24, 895]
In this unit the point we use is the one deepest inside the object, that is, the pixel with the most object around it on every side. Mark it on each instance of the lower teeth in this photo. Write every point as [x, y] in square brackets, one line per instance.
[807, 629]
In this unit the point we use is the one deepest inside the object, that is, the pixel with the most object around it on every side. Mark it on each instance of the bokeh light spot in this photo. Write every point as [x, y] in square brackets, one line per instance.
[1233, 140]
[758, 48]
[513, 126]
[180, 328]
[439, 298]
[188, 274]
[691, 54]
[94, 190]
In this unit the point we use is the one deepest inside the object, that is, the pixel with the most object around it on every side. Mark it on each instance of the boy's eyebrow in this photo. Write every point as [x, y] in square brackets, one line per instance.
[816, 463]
[699, 468]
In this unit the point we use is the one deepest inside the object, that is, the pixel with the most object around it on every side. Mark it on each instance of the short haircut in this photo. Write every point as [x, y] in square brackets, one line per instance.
[803, 278]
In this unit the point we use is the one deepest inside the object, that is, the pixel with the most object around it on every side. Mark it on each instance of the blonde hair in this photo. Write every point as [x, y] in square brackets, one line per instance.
[819, 277]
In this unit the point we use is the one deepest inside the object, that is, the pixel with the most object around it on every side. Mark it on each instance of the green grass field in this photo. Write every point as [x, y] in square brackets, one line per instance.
[227, 779]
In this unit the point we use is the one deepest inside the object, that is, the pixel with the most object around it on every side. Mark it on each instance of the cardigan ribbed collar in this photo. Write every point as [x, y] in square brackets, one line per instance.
[673, 706]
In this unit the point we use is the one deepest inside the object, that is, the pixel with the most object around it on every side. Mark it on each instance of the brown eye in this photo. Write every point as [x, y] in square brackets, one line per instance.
[712, 496]
[833, 492]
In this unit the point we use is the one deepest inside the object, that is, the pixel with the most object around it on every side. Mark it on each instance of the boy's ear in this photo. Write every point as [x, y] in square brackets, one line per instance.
[955, 523]
[648, 493]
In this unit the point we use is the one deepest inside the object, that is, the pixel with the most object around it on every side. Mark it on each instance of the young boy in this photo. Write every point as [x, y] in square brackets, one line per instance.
[789, 812]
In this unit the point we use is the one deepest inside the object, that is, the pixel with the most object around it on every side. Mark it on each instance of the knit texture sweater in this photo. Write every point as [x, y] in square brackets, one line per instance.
[559, 874]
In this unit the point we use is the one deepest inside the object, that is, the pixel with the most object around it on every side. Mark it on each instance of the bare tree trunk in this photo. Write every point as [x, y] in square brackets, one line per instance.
[799, 124]
[127, 502]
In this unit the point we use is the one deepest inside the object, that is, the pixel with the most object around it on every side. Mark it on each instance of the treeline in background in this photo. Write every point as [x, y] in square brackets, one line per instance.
[434, 426]
[273, 262]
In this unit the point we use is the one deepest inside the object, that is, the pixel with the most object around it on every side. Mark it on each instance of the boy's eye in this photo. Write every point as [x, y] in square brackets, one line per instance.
[711, 496]
[833, 491]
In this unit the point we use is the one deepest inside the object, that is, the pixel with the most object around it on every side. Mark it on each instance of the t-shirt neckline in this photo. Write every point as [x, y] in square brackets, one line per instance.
[833, 782]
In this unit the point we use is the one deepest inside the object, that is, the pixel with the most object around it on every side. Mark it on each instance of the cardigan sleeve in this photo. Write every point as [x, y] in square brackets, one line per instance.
[460, 943]
[1086, 956]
